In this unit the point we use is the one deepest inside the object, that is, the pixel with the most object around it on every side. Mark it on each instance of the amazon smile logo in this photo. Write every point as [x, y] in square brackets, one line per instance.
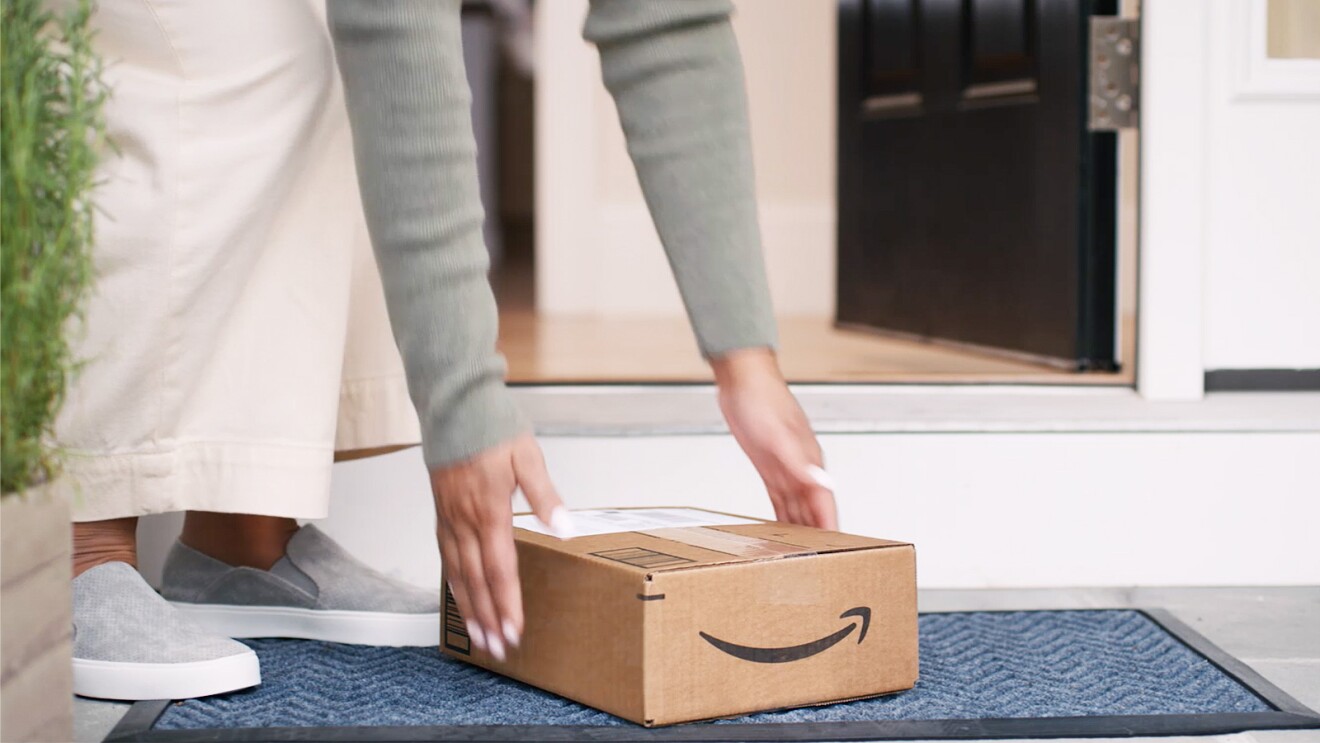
[796, 652]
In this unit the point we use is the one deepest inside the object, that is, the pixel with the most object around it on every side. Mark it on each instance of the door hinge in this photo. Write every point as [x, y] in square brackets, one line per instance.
[1115, 76]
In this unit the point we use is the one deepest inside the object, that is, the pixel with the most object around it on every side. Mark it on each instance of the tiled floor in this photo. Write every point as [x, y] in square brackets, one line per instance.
[1275, 630]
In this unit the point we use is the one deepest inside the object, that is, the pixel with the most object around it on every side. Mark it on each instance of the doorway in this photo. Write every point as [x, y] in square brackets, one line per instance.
[584, 293]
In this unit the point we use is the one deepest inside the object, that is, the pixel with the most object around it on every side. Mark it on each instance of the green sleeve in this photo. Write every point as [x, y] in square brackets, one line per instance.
[409, 107]
[677, 80]
[675, 73]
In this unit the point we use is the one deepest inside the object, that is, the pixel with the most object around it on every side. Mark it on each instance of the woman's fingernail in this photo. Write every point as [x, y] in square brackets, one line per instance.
[561, 523]
[821, 477]
[496, 647]
[510, 633]
[476, 635]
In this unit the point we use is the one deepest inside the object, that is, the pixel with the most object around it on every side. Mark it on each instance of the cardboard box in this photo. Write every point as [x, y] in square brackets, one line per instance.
[683, 614]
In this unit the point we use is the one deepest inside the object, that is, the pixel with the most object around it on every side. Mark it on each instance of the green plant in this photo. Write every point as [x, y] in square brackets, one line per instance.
[50, 133]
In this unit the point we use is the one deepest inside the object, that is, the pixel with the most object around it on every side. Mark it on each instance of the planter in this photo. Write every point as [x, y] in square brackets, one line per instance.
[36, 618]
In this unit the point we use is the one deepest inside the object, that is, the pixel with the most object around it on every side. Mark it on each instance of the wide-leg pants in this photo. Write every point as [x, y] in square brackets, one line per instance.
[237, 335]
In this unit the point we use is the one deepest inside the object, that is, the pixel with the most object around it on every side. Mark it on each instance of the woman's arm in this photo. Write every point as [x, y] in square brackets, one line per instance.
[677, 80]
[409, 105]
[410, 109]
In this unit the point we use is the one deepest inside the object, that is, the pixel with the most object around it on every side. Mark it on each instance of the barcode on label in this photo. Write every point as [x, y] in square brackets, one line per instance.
[456, 636]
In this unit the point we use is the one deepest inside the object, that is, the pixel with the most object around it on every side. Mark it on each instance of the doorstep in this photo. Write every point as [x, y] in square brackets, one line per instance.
[669, 410]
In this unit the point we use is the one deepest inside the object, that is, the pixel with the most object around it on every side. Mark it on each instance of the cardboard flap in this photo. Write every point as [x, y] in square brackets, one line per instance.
[808, 537]
[770, 540]
[682, 548]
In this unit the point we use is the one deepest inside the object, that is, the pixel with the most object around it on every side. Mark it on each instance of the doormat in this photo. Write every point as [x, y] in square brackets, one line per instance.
[1015, 674]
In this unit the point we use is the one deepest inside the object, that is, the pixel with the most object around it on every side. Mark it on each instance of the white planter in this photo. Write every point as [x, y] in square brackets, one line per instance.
[36, 622]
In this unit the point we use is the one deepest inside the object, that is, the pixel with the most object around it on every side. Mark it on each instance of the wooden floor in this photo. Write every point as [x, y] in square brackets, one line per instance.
[656, 349]
[598, 349]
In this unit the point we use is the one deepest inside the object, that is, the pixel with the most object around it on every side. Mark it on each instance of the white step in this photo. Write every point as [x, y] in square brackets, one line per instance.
[997, 487]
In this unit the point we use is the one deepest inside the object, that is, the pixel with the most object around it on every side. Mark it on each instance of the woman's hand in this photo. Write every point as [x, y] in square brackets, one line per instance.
[474, 524]
[770, 426]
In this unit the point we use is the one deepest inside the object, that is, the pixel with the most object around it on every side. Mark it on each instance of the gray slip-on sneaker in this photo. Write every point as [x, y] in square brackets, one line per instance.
[129, 643]
[317, 591]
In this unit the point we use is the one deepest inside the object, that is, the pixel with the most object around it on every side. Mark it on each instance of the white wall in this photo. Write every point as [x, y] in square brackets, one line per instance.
[597, 251]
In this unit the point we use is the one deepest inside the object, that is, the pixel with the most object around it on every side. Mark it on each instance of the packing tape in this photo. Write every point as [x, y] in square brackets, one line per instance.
[738, 545]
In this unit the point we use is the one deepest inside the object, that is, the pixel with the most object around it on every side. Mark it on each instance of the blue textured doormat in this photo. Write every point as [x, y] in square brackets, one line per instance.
[1092, 673]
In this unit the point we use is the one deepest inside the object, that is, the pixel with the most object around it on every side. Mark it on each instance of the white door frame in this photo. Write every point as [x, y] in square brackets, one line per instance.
[1174, 36]
[1172, 200]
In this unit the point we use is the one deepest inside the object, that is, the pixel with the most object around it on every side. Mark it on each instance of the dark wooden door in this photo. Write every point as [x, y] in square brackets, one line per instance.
[974, 205]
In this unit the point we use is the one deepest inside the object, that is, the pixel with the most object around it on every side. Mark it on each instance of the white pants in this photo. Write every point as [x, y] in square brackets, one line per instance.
[236, 336]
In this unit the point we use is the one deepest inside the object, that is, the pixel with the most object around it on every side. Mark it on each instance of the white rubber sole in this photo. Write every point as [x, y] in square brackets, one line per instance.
[103, 679]
[354, 627]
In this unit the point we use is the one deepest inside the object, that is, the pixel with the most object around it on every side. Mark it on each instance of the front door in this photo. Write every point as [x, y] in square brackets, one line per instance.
[974, 205]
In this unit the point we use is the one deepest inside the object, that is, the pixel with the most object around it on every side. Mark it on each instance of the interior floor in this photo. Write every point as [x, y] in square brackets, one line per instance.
[544, 349]
[596, 349]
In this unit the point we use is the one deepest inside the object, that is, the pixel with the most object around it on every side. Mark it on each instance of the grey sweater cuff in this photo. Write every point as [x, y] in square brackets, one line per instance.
[482, 417]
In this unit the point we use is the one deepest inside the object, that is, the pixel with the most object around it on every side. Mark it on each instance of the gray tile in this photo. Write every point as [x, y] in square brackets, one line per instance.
[1273, 623]
[93, 719]
[1299, 678]
[1284, 736]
